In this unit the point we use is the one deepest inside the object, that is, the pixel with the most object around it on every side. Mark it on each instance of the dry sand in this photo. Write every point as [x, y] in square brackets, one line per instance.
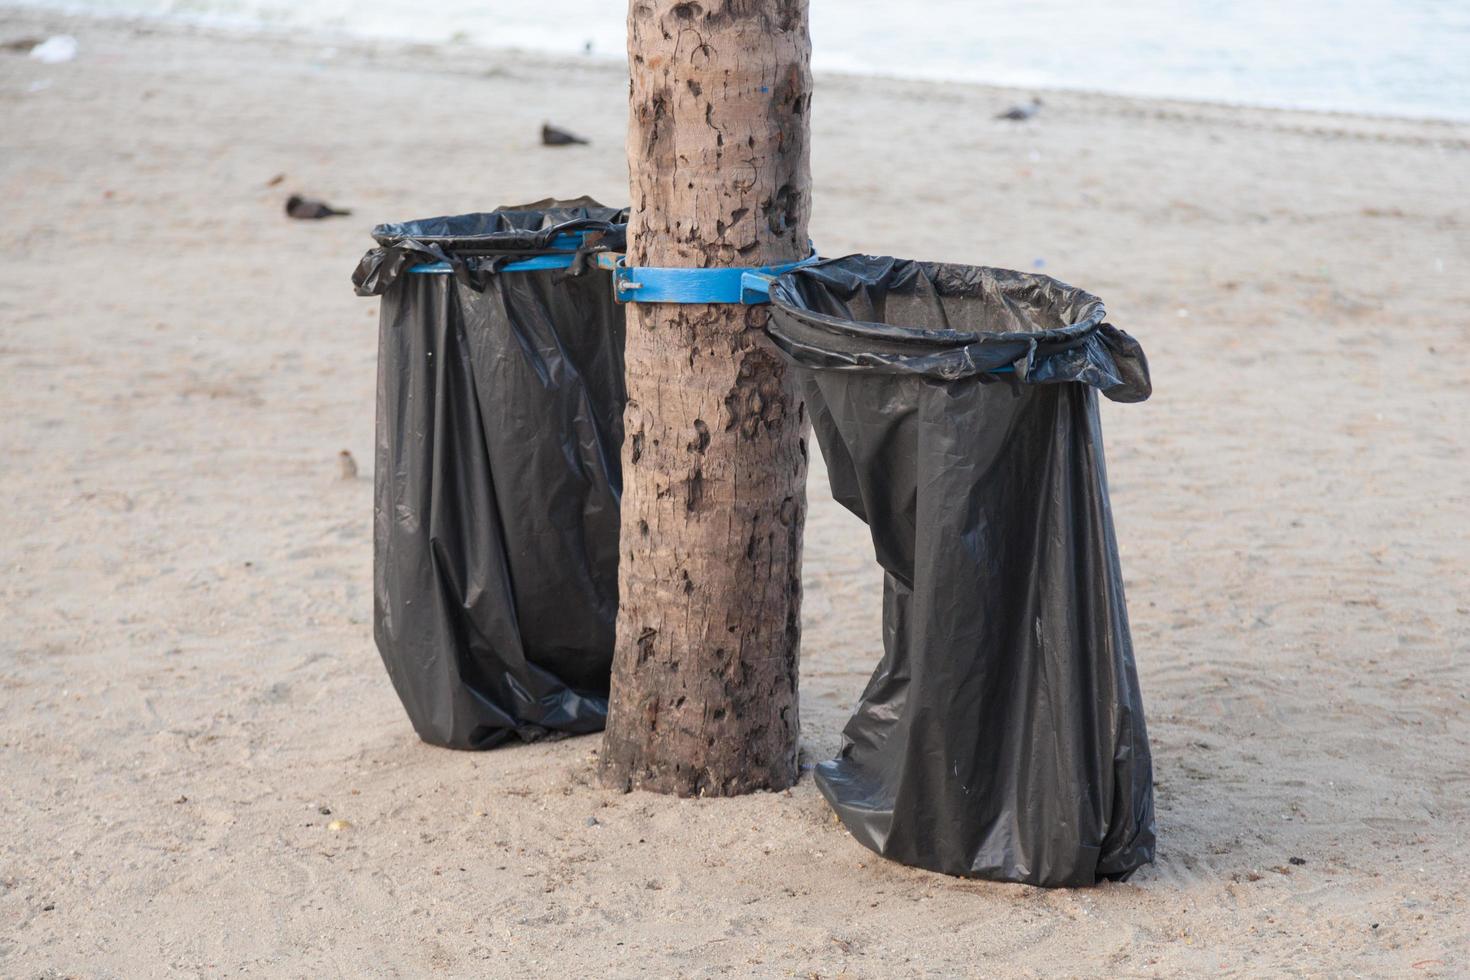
[187, 673]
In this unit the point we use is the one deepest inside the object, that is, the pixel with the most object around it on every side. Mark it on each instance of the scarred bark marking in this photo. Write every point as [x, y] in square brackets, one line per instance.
[757, 402]
[701, 437]
[645, 643]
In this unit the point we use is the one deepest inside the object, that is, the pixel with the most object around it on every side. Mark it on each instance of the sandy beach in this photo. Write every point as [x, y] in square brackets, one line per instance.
[189, 691]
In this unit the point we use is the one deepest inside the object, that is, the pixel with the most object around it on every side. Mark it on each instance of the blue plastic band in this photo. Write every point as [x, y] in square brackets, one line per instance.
[569, 243]
[565, 245]
[524, 265]
[653, 284]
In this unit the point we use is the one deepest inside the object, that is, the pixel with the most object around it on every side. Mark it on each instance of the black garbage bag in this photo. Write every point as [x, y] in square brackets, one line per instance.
[1002, 734]
[498, 470]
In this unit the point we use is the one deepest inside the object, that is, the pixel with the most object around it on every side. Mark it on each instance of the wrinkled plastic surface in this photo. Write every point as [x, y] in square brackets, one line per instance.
[1002, 734]
[498, 475]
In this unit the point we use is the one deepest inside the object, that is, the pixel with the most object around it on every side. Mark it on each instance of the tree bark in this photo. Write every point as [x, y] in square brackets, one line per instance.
[714, 459]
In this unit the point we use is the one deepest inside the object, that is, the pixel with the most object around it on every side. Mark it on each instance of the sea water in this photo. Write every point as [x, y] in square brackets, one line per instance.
[1389, 57]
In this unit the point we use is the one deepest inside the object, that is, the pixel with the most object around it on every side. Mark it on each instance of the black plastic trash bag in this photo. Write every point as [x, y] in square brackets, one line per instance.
[1002, 734]
[498, 470]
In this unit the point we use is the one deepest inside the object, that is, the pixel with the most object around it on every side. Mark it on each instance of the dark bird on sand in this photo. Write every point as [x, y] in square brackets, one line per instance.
[552, 136]
[306, 209]
[1021, 113]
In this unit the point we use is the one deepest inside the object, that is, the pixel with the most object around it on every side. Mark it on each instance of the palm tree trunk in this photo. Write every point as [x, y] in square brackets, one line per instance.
[714, 461]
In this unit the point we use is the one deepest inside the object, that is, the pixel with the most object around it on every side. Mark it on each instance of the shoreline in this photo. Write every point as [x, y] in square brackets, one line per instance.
[376, 46]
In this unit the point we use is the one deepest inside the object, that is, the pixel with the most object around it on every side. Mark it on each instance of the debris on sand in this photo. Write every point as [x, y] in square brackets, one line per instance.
[1021, 113]
[56, 49]
[554, 136]
[308, 209]
[348, 466]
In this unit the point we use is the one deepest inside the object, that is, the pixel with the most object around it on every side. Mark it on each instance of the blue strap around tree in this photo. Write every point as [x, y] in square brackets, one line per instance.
[746, 286]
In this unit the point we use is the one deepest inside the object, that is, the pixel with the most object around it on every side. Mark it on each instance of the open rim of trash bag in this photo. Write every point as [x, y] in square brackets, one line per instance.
[470, 246]
[518, 227]
[841, 314]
